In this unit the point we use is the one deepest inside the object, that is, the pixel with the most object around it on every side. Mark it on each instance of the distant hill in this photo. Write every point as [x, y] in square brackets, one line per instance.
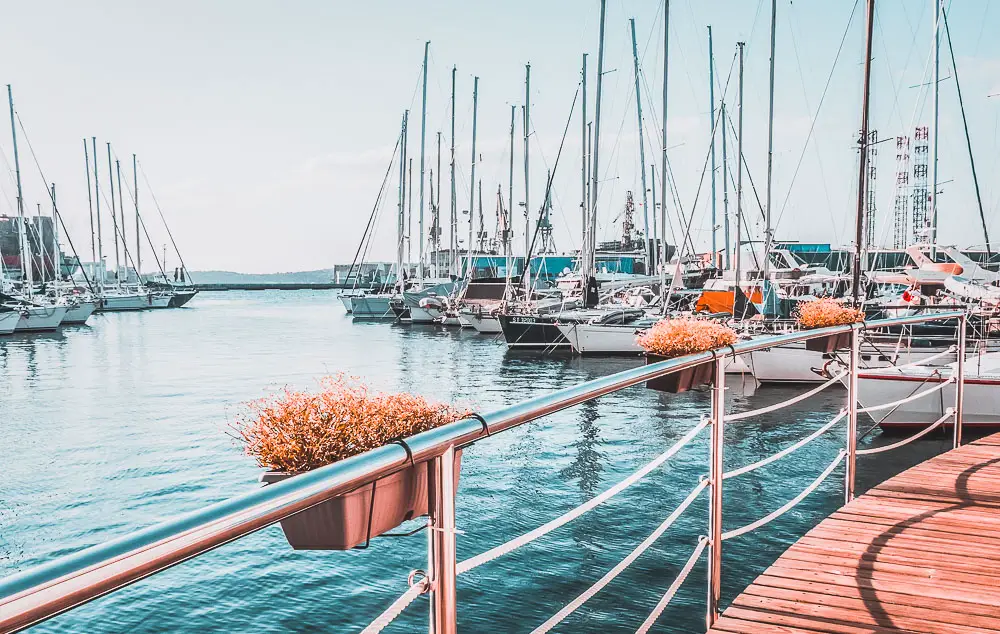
[321, 276]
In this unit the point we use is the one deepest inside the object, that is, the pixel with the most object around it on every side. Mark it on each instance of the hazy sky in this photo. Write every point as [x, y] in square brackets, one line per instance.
[266, 127]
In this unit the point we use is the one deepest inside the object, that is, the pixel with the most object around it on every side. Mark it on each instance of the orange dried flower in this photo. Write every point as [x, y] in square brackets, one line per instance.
[678, 337]
[297, 431]
[821, 313]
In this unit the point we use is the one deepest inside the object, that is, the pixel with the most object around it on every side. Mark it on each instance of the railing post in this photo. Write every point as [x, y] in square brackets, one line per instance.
[441, 544]
[963, 322]
[852, 415]
[715, 499]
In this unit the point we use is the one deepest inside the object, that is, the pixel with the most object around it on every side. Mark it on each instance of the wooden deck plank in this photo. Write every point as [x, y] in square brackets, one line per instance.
[918, 553]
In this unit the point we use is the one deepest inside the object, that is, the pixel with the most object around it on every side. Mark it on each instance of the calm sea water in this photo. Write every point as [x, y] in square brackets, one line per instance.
[121, 424]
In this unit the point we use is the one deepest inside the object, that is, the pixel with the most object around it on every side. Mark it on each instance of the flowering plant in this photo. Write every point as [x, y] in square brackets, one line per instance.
[821, 313]
[297, 431]
[678, 337]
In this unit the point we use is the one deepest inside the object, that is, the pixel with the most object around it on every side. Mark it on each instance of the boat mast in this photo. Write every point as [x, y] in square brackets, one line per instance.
[472, 178]
[409, 215]
[770, 149]
[26, 272]
[453, 219]
[436, 224]
[642, 148]
[863, 162]
[401, 205]
[90, 203]
[138, 220]
[934, 138]
[591, 269]
[739, 179]
[585, 137]
[423, 139]
[664, 291]
[55, 242]
[97, 214]
[653, 248]
[121, 211]
[510, 192]
[114, 216]
[481, 238]
[711, 119]
[725, 187]
[527, 127]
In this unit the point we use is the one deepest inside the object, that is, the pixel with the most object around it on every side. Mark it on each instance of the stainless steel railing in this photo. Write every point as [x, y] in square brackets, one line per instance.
[42, 592]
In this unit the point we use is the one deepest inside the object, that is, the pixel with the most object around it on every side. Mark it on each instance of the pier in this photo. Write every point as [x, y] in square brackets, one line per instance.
[918, 553]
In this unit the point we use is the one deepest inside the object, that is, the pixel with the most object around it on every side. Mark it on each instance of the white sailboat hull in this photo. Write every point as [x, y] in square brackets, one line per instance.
[981, 406]
[8, 321]
[159, 301]
[40, 318]
[620, 340]
[79, 312]
[484, 324]
[124, 302]
[794, 364]
[421, 315]
[346, 301]
[372, 306]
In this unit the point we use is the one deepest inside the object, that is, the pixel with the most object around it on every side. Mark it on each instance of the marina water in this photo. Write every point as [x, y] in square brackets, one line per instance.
[123, 423]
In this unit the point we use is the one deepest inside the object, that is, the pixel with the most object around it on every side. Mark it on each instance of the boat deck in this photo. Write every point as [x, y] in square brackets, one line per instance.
[918, 553]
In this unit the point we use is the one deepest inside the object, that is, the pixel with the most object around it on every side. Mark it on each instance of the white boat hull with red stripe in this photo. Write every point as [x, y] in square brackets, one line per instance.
[981, 407]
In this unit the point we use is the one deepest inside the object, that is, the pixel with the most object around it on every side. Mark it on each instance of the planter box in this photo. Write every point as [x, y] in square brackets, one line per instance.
[683, 380]
[343, 522]
[830, 343]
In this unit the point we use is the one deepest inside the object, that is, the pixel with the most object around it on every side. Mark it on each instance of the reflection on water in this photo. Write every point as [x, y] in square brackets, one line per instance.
[120, 424]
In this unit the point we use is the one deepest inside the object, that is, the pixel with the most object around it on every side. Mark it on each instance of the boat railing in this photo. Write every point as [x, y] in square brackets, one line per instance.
[42, 592]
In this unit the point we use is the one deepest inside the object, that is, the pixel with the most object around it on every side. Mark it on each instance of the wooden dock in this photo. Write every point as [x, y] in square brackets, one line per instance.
[918, 553]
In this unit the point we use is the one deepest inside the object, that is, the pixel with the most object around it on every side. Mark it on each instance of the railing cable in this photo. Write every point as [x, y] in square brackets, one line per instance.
[674, 587]
[396, 608]
[791, 401]
[922, 362]
[788, 505]
[625, 563]
[912, 397]
[517, 542]
[948, 413]
[787, 450]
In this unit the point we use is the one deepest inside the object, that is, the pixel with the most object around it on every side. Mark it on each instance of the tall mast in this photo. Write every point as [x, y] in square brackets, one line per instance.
[400, 206]
[423, 139]
[642, 149]
[935, 135]
[453, 219]
[114, 216]
[711, 120]
[585, 137]
[653, 249]
[481, 238]
[664, 291]
[97, 214]
[409, 216]
[527, 128]
[510, 190]
[770, 148]
[138, 245]
[725, 188]
[407, 197]
[55, 242]
[23, 246]
[436, 241]
[863, 162]
[739, 177]
[90, 203]
[591, 269]
[472, 178]
[121, 211]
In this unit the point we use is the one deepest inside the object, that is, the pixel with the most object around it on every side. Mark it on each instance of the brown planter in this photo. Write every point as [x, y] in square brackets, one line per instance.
[343, 522]
[829, 343]
[682, 380]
